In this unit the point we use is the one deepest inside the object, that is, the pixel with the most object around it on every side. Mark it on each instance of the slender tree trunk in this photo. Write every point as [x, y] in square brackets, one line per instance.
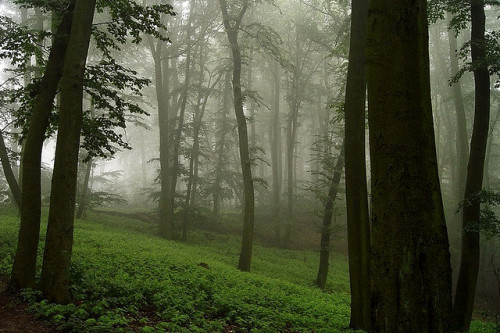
[217, 190]
[165, 227]
[326, 231]
[410, 264]
[182, 111]
[469, 265]
[83, 204]
[246, 170]
[55, 277]
[462, 136]
[358, 224]
[9, 174]
[275, 135]
[23, 270]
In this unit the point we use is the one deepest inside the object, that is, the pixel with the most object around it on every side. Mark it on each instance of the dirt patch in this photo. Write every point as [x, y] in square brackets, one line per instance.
[15, 317]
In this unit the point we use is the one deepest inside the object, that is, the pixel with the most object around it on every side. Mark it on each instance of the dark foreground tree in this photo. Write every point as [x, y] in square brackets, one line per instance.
[410, 267]
[55, 278]
[358, 224]
[469, 266]
[24, 268]
[232, 25]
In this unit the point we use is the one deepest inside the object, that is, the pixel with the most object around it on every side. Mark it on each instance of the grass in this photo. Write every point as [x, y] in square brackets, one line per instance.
[126, 279]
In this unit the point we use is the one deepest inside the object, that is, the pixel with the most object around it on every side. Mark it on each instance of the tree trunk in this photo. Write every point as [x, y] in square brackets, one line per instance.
[165, 226]
[83, 204]
[9, 174]
[180, 126]
[462, 136]
[469, 264]
[55, 277]
[246, 170]
[217, 190]
[275, 136]
[410, 264]
[24, 267]
[358, 224]
[327, 221]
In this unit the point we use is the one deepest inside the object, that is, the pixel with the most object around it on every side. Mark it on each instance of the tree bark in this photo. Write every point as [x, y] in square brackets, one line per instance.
[246, 170]
[9, 174]
[469, 264]
[83, 204]
[165, 226]
[358, 224]
[24, 267]
[327, 221]
[55, 277]
[410, 264]
[275, 136]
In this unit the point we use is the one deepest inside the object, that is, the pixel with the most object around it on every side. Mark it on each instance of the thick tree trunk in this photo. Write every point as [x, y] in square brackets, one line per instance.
[327, 221]
[410, 264]
[469, 266]
[246, 170]
[358, 223]
[55, 277]
[23, 270]
[9, 174]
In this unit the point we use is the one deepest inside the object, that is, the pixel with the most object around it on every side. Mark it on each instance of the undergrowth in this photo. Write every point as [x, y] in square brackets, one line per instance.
[126, 279]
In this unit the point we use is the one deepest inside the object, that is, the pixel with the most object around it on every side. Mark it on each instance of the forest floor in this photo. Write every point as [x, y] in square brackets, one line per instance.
[15, 316]
[126, 279]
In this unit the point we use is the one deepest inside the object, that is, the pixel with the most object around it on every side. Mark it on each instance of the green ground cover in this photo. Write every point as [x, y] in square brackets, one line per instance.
[126, 279]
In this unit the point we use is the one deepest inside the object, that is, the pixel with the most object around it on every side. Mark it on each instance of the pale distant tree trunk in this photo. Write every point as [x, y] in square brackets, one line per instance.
[221, 145]
[469, 264]
[182, 111]
[84, 200]
[165, 228]
[410, 262]
[143, 160]
[462, 136]
[9, 174]
[358, 219]
[246, 170]
[326, 231]
[55, 277]
[275, 138]
[24, 267]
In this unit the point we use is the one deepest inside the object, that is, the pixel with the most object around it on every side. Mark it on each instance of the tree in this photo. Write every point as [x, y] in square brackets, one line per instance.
[358, 224]
[231, 26]
[469, 266]
[55, 277]
[410, 263]
[327, 220]
[9, 174]
[24, 267]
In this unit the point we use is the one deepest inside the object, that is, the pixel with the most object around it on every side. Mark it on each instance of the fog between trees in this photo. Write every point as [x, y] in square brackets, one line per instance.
[241, 117]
